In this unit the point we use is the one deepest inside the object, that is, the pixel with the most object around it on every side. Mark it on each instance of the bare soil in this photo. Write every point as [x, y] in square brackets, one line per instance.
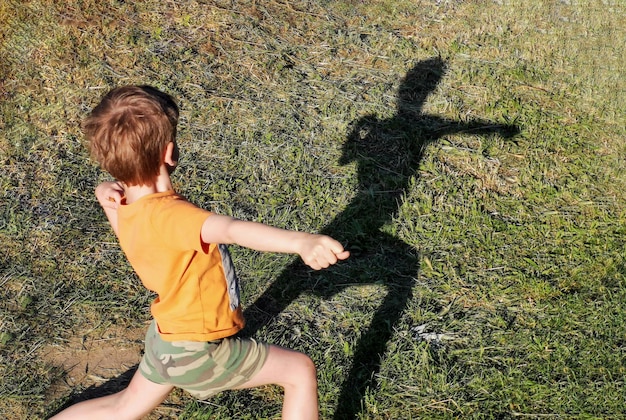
[98, 362]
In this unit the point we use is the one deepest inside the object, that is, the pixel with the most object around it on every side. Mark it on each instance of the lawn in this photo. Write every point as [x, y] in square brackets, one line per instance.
[470, 155]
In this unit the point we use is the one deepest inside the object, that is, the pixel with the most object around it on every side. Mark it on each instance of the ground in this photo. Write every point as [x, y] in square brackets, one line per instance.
[99, 360]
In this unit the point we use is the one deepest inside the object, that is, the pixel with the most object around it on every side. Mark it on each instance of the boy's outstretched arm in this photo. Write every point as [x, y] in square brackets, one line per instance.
[110, 195]
[317, 251]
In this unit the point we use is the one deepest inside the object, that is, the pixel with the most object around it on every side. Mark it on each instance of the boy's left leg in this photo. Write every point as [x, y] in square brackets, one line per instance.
[295, 372]
[138, 399]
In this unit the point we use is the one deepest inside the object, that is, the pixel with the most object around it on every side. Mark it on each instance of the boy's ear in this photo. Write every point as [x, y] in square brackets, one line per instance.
[171, 154]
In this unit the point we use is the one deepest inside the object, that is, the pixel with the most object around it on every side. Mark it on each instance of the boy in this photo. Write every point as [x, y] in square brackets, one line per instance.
[178, 251]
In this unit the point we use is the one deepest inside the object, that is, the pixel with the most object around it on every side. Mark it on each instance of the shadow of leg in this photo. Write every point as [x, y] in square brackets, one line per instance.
[372, 344]
[109, 387]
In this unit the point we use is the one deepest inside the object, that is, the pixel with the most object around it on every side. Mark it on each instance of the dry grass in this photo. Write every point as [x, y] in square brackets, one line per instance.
[513, 247]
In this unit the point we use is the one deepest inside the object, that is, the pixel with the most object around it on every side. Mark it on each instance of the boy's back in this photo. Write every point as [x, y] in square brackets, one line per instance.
[198, 291]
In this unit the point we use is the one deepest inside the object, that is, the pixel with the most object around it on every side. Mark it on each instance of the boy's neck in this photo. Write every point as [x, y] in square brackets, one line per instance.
[161, 183]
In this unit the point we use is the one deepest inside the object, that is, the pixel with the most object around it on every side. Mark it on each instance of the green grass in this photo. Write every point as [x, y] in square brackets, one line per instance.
[293, 115]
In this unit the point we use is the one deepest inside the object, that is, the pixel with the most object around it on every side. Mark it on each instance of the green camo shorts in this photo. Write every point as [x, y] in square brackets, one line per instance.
[201, 368]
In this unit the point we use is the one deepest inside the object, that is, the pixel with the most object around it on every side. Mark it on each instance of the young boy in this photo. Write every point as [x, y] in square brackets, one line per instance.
[178, 251]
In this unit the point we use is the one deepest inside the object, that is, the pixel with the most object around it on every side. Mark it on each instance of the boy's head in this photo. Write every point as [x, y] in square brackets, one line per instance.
[128, 132]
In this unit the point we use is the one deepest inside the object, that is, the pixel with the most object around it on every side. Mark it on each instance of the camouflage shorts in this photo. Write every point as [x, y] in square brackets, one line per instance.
[201, 368]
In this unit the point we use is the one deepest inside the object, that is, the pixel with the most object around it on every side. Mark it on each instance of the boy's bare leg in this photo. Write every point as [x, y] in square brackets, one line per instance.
[134, 402]
[295, 372]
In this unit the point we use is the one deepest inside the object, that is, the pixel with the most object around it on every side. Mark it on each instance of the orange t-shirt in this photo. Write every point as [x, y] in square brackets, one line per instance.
[198, 291]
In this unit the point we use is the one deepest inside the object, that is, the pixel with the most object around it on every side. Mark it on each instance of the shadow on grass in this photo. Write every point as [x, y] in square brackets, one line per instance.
[111, 386]
[388, 153]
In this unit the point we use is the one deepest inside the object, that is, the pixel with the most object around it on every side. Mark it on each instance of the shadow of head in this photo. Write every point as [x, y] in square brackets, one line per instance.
[419, 82]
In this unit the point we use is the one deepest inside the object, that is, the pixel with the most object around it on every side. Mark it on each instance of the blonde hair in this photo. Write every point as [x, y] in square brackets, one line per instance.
[129, 130]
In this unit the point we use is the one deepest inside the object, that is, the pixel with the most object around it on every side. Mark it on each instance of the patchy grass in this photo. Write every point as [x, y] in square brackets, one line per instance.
[469, 154]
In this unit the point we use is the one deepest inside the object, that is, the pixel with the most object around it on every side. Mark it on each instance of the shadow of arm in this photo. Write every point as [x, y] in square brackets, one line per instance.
[478, 127]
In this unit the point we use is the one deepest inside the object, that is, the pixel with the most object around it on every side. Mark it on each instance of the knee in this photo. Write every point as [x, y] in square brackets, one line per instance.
[307, 370]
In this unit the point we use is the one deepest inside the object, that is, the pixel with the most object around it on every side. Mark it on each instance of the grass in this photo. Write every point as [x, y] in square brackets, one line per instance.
[488, 272]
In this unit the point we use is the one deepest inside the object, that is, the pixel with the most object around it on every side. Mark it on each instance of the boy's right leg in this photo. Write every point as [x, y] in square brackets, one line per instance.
[134, 402]
[295, 372]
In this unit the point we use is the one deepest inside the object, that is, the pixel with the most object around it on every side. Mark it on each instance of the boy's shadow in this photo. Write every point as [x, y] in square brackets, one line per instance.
[387, 153]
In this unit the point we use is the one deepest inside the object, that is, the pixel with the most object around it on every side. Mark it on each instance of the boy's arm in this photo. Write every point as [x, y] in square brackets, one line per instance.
[110, 195]
[317, 251]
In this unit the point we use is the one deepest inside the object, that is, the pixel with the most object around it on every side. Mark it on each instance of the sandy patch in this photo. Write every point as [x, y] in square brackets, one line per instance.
[102, 361]
[95, 356]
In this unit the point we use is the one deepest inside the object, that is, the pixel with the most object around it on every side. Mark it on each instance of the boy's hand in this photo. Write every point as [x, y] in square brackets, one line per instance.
[321, 251]
[110, 194]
